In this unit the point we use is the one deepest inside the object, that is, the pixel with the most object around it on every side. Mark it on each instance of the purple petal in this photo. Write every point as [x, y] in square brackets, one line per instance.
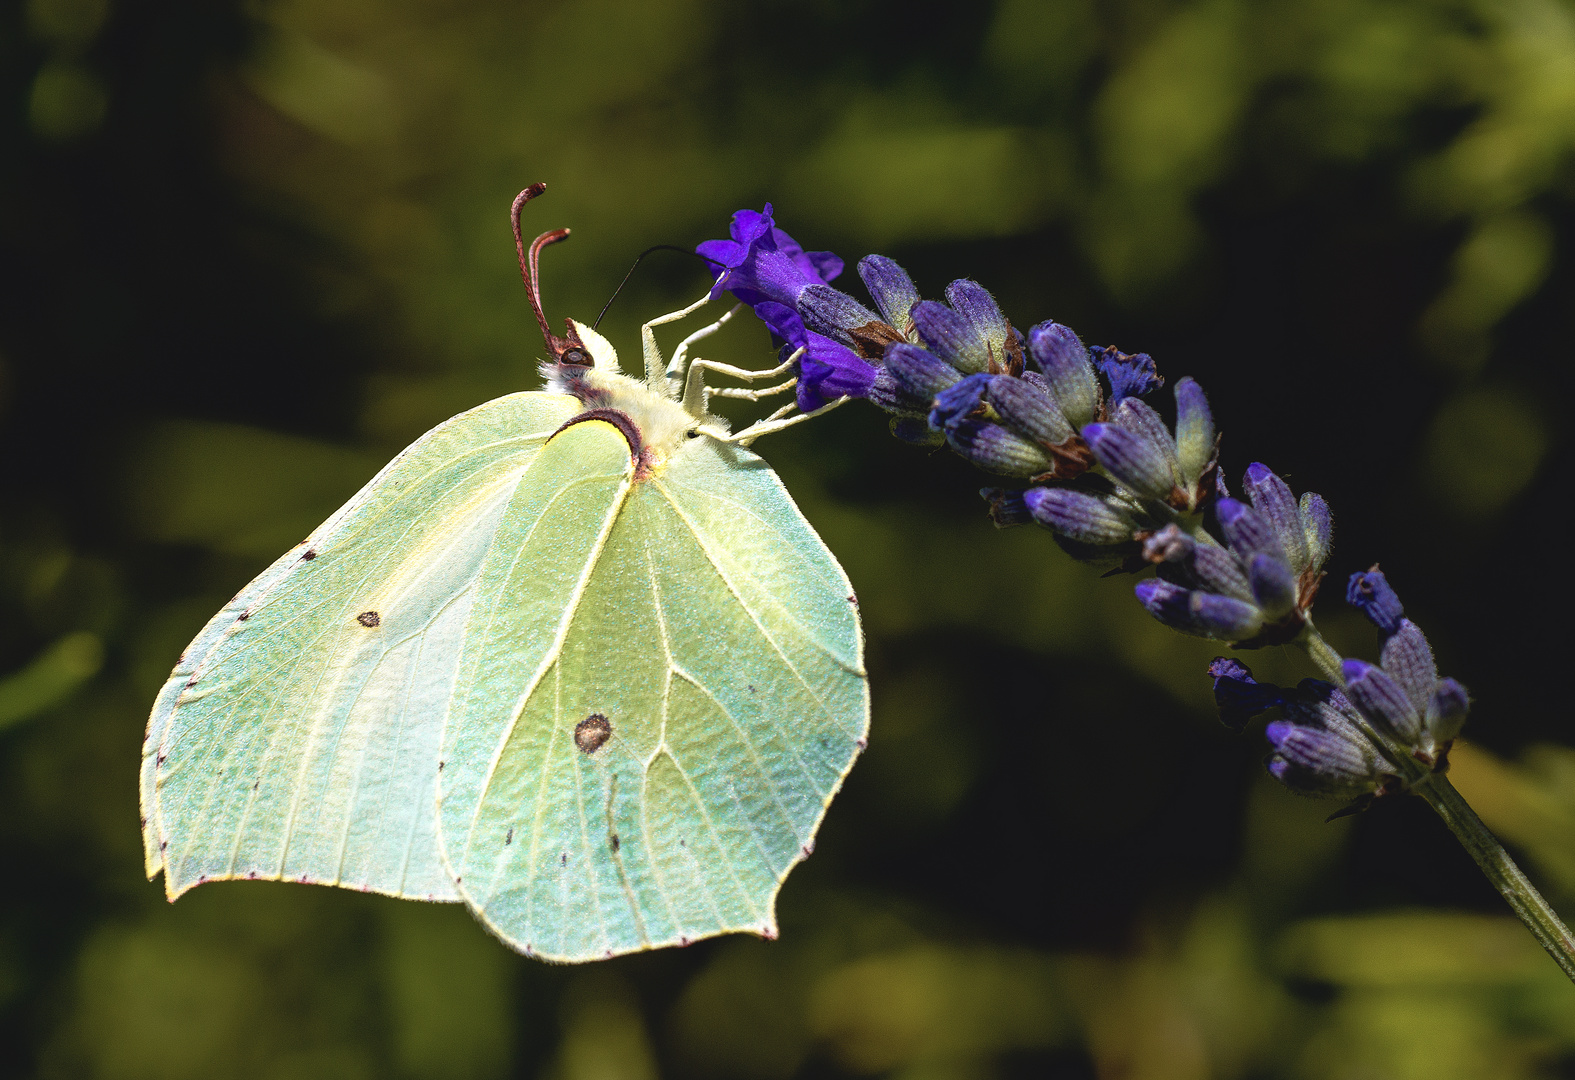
[1129, 374]
[829, 370]
[784, 323]
[957, 402]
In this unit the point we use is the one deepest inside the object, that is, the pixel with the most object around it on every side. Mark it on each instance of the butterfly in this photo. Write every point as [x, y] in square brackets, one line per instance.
[573, 658]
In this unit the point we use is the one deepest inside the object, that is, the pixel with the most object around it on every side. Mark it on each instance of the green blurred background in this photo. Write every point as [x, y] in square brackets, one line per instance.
[249, 250]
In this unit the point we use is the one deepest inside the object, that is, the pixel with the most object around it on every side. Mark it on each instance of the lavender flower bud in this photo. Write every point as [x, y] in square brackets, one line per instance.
[919, 374]
[1408, 659]
[1273, 499]
[975, 304]
[1246, 529]
[1382, 701]
[1446, 710]
[950, 335]
[1196, 612]
[1064, 361]
[1318, 524]
[1131, 459]
[892, 289]
[995, 448]
[1194, 432]
[833, 314]
[1028, 409]
[1078, 516]
[1273, 586]
[1320, 749]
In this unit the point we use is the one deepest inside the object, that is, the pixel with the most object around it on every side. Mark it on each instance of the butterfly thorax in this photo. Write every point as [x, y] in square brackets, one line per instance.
[656, 426]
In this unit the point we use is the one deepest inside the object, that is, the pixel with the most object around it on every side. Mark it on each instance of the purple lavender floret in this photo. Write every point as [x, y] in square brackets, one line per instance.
[1129, 374]
[827, 369]
[1238, 695]
[1269, 561]
[1318, 745]
[1403, 696]
[1371, 592]
[761, 262]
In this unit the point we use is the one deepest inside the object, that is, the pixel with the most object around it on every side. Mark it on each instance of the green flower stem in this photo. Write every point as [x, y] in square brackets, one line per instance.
[1528, 904]
[1449, 804]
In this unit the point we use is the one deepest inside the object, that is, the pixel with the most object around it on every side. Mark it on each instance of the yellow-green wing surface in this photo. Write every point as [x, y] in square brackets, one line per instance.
[298, 736]
[703, 644]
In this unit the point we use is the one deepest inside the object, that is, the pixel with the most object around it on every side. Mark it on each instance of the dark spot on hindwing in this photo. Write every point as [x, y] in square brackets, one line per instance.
[592, 733]
[369, 618]
[509, 837]
[613, 840]
[308, 555]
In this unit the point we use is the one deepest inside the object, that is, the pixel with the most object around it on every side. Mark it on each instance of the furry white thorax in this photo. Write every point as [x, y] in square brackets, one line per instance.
[664, 424]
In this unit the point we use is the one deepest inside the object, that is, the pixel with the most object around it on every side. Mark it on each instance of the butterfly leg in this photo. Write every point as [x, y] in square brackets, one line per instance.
[746, 394]
[774, 423]
[676, 367]
[655, 369]
[695, 390]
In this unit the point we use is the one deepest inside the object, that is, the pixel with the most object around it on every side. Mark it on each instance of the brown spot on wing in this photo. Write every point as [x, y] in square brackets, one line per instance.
[592, 733]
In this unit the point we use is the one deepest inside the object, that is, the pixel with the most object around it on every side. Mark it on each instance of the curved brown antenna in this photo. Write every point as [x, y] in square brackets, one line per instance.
[564, 349]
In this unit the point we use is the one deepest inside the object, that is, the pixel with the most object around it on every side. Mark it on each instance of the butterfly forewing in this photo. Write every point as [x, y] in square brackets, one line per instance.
[298, 736]
[650, 776]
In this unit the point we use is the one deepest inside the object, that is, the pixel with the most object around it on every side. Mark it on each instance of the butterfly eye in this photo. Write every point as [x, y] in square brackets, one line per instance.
[575, 356]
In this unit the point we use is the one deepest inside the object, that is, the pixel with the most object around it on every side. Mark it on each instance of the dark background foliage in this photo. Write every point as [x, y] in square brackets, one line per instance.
[249, 251]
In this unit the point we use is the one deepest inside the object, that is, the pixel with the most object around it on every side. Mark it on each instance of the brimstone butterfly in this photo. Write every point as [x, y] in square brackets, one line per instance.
[573, 658]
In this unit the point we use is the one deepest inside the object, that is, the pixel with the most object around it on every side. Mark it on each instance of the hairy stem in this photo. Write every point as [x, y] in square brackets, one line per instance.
[1440, 794]
[1528, 904]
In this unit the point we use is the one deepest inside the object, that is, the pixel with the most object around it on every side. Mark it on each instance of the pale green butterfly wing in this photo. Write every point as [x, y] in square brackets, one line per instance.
[700, 615]
[297, 738]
